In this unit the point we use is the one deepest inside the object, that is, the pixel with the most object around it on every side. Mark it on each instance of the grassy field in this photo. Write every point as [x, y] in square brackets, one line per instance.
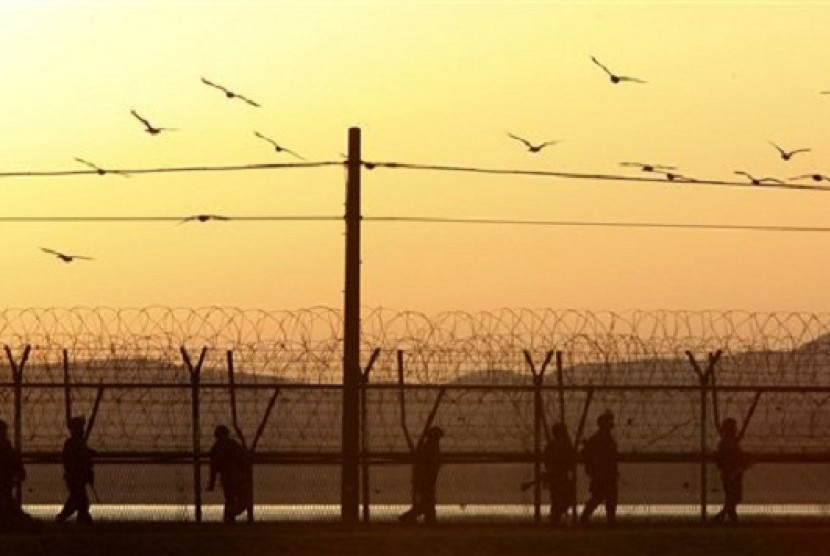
[265, 539]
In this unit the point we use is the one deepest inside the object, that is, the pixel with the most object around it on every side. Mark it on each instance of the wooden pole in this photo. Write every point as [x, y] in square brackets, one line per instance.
[350, 471]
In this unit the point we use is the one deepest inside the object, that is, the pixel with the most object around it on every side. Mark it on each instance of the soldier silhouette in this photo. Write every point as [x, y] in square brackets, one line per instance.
[12, 473]
[424, 477]
[77, 472]
[560, 467]
[600, 456]
[230, 461]
[731, 462]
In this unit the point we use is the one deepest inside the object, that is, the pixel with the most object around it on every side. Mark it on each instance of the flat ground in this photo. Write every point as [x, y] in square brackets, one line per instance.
[264, 539]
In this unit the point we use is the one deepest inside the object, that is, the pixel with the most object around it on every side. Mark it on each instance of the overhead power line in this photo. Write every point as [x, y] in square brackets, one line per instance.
[677, 180]
[656, 177]
[193, 220]
[181, 219]
[577, 223]
[169, 169]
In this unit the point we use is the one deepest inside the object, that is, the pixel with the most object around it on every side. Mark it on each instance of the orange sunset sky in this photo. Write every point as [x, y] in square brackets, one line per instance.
[428, 82]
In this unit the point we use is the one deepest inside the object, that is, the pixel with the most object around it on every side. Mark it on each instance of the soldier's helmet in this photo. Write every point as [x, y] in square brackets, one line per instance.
[77, 423]
[221, 432]
[729, 427]
[435, 433]
[606, 420]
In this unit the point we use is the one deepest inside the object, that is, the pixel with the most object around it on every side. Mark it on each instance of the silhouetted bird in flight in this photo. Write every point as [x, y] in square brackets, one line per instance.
[277, 147]
[616, 78]
[786, 155]
[149, 128]
[229, 93]
[531, 147]
[814, 177]
[759, 181]
[100, 170]
[203, 218]
[647, 167]
[64, 257]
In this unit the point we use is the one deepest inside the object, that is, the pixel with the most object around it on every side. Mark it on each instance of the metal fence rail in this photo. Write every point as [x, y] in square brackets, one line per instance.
[493, 381]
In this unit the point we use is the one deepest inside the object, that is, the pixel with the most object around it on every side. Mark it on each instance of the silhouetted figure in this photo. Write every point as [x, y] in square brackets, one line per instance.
[12, 473]
[731, 462]
[560, 468]
[77, 472]
[600, 455]
[424, 477]
[230, 461]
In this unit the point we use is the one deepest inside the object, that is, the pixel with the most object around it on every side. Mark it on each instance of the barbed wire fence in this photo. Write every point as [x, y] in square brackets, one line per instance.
[155, 381]
[484, 375]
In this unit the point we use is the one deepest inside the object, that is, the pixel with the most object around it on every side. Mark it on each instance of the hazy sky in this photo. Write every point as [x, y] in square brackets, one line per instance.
[428, 82]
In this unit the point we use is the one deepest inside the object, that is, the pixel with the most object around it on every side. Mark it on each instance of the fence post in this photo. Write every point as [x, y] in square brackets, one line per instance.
[17, 378]
[539, 428]
[364, 434]
[704, 379]
[249, 478]
[67, 391]
[580, 430]
[195, 373]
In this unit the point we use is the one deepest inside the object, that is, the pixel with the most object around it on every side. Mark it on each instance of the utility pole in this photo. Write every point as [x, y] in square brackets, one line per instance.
[350, 473]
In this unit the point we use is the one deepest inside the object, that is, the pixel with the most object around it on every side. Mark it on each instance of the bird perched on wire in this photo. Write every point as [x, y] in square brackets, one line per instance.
[277, 147]
[203, 218]
[530, 146]
[100, 170]
[758, 181]
[149, 128]
[229, 93]
[647, 167]
[64, 257]
[614, 77]
[786, 155]
[674, 176]
[814, 177]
